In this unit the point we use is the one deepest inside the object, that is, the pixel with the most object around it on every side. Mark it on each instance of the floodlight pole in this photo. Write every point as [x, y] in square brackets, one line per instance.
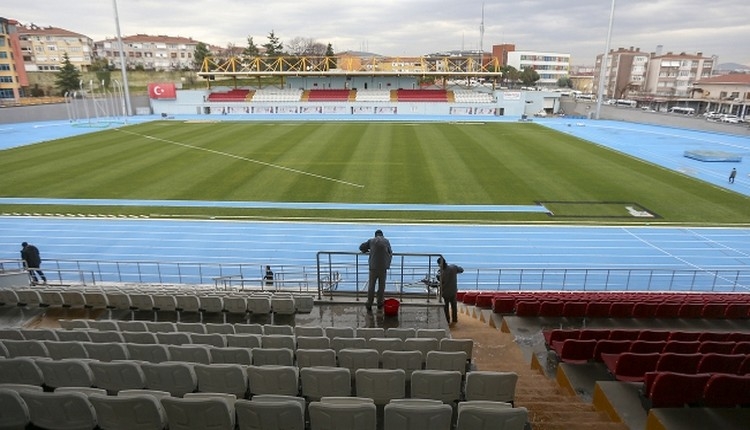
[603, 66]
[123, 65]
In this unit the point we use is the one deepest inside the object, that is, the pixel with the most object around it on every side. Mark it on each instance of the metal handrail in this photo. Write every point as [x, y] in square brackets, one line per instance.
[346, 273]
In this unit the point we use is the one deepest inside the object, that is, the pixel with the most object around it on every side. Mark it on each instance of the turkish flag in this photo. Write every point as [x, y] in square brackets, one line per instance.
[164, 90]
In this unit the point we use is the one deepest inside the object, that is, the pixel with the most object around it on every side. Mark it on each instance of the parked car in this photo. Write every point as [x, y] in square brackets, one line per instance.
[712, 116]
[731, 119]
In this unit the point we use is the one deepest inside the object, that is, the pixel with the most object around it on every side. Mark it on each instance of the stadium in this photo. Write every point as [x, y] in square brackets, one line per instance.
[605, 278]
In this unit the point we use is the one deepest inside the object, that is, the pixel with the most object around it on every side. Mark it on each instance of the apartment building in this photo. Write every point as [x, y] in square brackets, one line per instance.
[724, 93]
[43, 48]
[625, 72]
[674, 74]
[551, 66]
[149, 52]
[12, 73]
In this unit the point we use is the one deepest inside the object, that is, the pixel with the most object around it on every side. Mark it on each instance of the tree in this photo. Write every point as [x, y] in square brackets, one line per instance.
[251, 50]
[565, 82]
[201, 53]
[529, 77]
[69, 77]
[330, 57]
[510, 76]
[274, 47]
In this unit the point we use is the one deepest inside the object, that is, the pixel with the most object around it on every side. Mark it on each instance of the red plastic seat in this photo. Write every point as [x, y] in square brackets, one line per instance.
[721, 363]
[674, 390]
[713, 310]
[715, 346]
[722, 391]
[503, 305]
[741, 348]
[646, 346]
[737, 311]
[668, 310]
[713, 335]
[526, 308]
[688, 336]
[606, 346]
[680, 363]
[470, 297]
[597, 309]
[644, 310]
[691, 310]
[574, 309]
[738, 336]
[551, 308]
[484, 300]
[575, 350]
[630, 366]
[653, 335]
[681, 346]
[596, 334]
[623, 334]
[744, 367]
[621, 310]
[559, 335]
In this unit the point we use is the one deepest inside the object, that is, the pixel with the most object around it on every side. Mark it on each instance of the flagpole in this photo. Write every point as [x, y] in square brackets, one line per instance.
[603, 66]
[123, 65]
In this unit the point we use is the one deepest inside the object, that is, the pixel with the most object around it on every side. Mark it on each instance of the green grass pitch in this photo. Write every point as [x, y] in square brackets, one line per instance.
[358, 162]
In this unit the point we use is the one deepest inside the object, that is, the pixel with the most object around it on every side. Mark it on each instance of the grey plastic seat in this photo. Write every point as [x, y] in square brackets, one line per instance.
[156, 353]
[73, 335]
[160, 326]
[137, 326]
[278, 329]
[222, 378]
[235, 305]
[451, 345]
[219, 328]
[316, 357]
[211, 304]
[334, 332]
[143, 337]
[381, 385]
[96, 299]
[259, 305]
[445, 360]
[73, 299]
[68, 410]
[14, 414]
[59, 350]
[20, 370]
[243, 340]
[433, 333]
[106, 336]
[483, 415]
[231, 355]
[106, 351]
[165, 302]
[39, 334]
[199, 413]
[211, 339]
[443, 385]
[318, 382]
[186, 327]
[187, 303]
[273, 356]
[408, 361]
[277, 341]
[312, 331]
[252, 328]
[339, 343]
[491, 385]
[72, 324]
[118, 300]
[67, 372]
[104, 325]
[423, 345]
[271, 379]
[342, 414]
[129, 412]
[190, 353]
[173, 338]
[176, 378]
[417, 414]
[313, 342]
[270, 415]
[355, 359]
[370, 332]
[118, 375]
[25, 348]
[401, 332]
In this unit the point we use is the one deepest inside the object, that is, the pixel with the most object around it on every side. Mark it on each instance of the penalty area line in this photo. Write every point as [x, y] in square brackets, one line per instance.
[239, 157]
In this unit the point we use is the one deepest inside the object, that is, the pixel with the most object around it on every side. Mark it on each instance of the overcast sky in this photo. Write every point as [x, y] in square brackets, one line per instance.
[417, 27]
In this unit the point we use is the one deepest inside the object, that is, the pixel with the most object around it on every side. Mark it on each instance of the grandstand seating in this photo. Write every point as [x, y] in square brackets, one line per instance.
[328, 95]
[421, 95]
[233, 95]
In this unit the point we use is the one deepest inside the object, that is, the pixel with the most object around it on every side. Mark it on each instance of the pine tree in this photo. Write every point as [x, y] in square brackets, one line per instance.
[330, 57]
[69, 77]
[274, 47]
[200, 54]
[251, 50]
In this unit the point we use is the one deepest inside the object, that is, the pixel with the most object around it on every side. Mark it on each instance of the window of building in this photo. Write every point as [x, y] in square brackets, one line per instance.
[6, 94]
[4, 67]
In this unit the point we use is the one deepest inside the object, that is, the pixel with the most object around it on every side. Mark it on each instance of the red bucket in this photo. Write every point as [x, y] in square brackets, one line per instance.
[390, 307]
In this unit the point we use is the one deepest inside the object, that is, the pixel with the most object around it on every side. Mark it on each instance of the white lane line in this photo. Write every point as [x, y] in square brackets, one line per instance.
[238, 157]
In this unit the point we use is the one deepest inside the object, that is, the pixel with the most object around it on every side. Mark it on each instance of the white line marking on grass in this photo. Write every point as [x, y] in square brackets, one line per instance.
[238, 157]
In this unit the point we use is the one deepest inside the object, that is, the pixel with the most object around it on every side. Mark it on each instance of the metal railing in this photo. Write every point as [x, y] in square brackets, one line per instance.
[342, 273]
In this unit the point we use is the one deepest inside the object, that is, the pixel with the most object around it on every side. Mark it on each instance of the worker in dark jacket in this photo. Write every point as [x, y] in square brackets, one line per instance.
[449, 288]
[32, 259]
[379, 249]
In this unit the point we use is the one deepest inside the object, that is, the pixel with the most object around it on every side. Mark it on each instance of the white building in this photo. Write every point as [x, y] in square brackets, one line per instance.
[550, 66]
